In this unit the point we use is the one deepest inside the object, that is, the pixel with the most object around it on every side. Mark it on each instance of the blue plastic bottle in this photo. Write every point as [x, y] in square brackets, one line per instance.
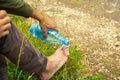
[53, 37]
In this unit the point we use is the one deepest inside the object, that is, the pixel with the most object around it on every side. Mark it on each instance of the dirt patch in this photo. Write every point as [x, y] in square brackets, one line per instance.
[94, 27]
[107, 8]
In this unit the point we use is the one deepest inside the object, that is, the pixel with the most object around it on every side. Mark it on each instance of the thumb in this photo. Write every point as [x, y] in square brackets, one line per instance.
[44, 29]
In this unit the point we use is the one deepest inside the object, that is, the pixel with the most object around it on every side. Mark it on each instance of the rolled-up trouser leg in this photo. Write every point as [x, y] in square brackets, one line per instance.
[20, 51]
[3, 68]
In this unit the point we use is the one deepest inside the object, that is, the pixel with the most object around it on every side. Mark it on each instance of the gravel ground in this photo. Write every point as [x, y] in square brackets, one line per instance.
[95, 29]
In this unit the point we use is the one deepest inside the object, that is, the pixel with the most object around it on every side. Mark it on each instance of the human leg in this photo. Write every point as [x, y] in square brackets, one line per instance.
[3, 68]
[20, 51]
[55, 62]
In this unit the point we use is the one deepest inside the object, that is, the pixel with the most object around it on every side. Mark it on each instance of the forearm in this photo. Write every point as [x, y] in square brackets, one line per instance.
[18, 7]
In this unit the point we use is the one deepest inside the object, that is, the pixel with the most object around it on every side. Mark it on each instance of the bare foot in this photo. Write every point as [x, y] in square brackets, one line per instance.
[55, 62]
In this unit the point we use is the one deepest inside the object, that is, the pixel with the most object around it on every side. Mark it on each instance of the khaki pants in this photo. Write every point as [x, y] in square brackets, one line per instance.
[16, 46]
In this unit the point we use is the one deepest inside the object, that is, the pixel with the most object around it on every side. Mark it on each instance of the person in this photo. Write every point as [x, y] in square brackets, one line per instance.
[17, 48]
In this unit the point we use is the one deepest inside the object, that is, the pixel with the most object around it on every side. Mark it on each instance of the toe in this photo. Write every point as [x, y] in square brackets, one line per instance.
[66, 50]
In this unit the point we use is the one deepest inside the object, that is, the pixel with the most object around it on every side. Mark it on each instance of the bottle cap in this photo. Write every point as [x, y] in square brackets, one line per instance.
[66, 42]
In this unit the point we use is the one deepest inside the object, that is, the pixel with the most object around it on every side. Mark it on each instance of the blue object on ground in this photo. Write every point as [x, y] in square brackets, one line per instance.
[53, 37]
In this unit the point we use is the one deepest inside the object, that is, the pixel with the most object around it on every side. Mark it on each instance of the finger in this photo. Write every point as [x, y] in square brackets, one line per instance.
[45, 33]
[7, 26]
[4, 33]
[3, 14]
[5, 21]
[56, 29]
[44, 29]
[53, 27]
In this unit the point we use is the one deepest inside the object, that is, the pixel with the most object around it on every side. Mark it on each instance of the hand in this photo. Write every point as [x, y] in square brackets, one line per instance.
[45, 22]
[4, 23]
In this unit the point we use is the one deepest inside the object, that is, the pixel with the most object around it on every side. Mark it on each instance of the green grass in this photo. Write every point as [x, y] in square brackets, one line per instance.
[72, 70]
[97, 77]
